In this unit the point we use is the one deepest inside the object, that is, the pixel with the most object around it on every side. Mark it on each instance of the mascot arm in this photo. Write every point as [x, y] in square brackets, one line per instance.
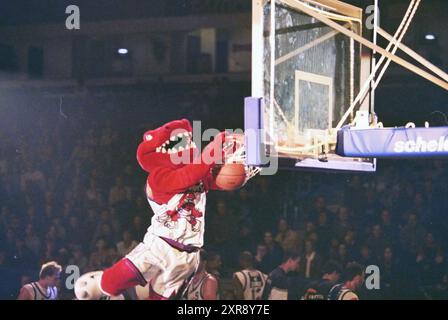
[178, 180]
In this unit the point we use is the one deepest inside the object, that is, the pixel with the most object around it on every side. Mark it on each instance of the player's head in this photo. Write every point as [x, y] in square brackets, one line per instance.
[291, 262]
[246, 260]
[213, 261]
[283, 225]
[203, 259]
[268, 238]
[354, 273]
[50, 272]
[388, 254]
[332, 271]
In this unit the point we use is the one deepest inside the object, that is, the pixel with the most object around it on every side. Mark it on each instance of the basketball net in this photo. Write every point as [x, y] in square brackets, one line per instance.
[235, 152]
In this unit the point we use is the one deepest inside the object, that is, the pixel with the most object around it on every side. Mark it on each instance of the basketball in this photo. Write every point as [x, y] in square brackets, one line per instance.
[230, 176]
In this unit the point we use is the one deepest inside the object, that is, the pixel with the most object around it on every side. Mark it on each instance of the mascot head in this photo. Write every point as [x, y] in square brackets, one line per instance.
[170, 145]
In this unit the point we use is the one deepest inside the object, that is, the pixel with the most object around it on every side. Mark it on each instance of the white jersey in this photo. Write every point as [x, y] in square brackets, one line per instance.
[278, 294]
[252, 282]
[347, 294]
[194, 291]
[39, 293]
[182, 218]
[341, 292]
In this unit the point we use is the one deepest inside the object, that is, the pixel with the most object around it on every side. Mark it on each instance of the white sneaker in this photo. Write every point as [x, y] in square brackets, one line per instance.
[87, 287]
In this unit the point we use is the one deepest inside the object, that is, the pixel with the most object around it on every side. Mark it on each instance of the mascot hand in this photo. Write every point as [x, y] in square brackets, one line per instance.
[213, 153]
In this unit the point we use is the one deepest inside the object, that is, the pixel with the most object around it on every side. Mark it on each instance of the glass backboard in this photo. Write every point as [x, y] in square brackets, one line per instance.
[304, 77]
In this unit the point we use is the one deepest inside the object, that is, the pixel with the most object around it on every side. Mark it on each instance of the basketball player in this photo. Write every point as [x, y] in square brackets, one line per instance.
[45, 288]
[319, 289]
[354, 278]
[281, 284]
[203, 286]
[248, 284]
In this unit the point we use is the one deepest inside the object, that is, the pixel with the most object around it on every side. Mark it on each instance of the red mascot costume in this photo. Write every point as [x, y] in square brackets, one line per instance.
[178, 180]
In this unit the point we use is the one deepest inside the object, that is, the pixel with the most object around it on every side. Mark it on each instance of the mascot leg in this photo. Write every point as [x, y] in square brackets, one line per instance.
[121, 276]
[110, 282]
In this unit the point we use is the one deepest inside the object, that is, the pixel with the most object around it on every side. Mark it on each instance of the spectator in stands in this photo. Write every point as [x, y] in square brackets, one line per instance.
[324, 232]
[274, 252]
[387, 225]
[75, 231]
[79, 259]
[104, 232]
[245, 240]
[319, 206]
[366, 256]
[430, 245]
[310, 230]
[138, 227]
[32, 241]
[260, 258]
[343, 223]
[311, 261]
[412, 234]
[440, 266]
[341, 255]
[370, 207]
[57, 230]
[8, 289]
[376, 241]
[93, 194]
[287, 238]
[22, 255]
[49, 249]
[95, 262]
[31, 177]
[245, 209]
[101, 252]
[390, 273]
[222, 228]
[350, 244]
[126, 244]
[119, 192]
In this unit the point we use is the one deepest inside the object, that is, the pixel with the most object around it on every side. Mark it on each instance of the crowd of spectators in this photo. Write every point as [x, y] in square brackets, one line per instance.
[72, 191]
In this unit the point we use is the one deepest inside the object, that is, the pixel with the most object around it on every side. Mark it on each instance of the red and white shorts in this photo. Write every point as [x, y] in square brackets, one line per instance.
[164, 267]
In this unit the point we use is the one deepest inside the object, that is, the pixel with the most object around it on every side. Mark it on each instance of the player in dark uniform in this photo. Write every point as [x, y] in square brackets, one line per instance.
[319, 289]
[284, 283]
[353, 280]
